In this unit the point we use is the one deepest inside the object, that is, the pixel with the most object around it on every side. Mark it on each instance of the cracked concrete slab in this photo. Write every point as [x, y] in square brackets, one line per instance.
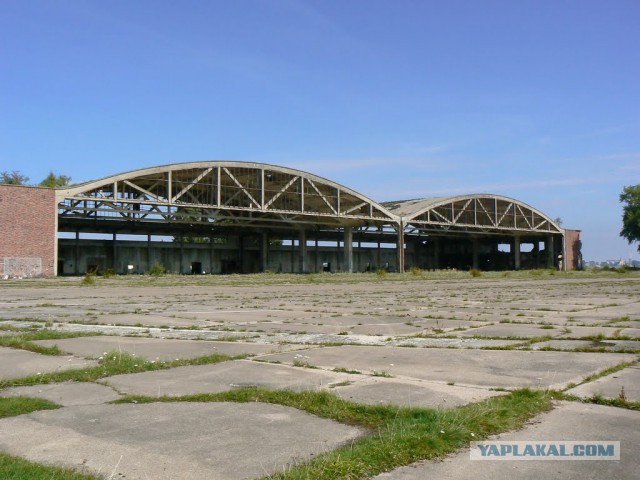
[388, 391]
[611, 386]
[156, 348]
[487, 368]
[21, 363]
[173, 441]
[221, 377]
[66, 394]
[568, 421]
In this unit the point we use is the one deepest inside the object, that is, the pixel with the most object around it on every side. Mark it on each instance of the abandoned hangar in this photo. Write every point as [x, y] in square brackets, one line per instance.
[241, 217]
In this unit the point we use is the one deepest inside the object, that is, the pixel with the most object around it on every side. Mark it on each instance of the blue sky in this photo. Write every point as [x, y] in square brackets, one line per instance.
[537, 100]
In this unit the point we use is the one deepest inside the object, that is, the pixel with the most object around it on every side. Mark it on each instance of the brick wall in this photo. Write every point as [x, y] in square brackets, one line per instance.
[573, 246]
[27, 231]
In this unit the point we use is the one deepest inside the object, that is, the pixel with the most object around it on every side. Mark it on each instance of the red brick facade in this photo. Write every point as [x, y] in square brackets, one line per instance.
[572, 249]
[27, 231]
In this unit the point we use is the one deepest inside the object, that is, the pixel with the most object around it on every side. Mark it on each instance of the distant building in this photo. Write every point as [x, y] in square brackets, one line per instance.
[227, 216]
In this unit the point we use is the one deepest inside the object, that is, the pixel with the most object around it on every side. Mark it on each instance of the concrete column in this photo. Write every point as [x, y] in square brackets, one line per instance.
[400, 248]
[241, 253]
[436, 253]
[264, 252]
[181, 254]
[302, 252]
[474, 252]
[317, 262]
[359, 267]
[550, 249]
[115, 253]
[293, 252]
[338, 264]
[211, 254]
[378, 260]
[348, 249]
[516, 252]
[76, 270]
[148, 251]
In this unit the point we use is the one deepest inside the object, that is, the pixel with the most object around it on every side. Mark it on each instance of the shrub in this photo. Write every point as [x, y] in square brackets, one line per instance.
[475, 272]
[157, 269]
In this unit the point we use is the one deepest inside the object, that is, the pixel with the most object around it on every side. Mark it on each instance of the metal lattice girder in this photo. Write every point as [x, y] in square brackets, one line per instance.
[473, 213]
[220, 192]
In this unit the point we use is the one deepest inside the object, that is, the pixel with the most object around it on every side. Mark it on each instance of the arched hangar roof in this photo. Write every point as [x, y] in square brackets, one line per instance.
[477, 212]
[220, 193]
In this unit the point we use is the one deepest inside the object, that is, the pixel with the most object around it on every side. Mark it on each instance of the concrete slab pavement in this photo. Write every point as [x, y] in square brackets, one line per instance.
[66, 394]
[611, 386]
[388, 391]
[568, 421]
[173, 441]
[223, 376]
[487, 368]
[20, 363]
[156, 348]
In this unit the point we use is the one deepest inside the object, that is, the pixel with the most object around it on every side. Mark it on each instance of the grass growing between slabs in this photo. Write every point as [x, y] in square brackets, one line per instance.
[113, 363]
[24, 340]
[12, 406]
[397, 435]
[16, 468]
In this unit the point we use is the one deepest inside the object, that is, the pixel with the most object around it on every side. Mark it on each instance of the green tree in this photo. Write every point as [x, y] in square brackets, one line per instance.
[13, 178]
[630, 196]
[53, 181]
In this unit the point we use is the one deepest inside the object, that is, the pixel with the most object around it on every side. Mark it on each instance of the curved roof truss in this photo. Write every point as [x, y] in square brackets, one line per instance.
[473, 213]
[220, 193]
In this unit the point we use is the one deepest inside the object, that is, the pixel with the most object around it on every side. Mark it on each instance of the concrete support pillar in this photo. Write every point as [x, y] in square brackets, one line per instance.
[148, 251]
[474, 252]
[338, 252]
[400, 248]
[76, 261]
[114, 258]
[302, 252]
[180, 267]
[348, 249]
[359, 266]
[264, 252]
[436, 253]
[378, 259]
[212, 251]
[516, 253]
[549, 247]
[317, 260]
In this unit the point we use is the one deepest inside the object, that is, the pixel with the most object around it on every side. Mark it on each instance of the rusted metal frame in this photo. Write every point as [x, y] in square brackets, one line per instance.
[242, 187]
[192, 184]
[281, 192]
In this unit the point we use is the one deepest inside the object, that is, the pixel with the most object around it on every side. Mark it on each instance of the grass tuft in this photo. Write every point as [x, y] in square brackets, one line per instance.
[12, 406]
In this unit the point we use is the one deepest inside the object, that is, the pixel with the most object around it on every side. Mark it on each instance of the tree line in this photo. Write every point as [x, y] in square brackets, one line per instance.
[52, 180]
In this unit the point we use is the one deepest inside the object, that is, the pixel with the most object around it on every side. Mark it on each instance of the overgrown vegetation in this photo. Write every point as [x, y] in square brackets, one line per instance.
[24, 340]
[12, 406]
[397, 435]
[113, 363]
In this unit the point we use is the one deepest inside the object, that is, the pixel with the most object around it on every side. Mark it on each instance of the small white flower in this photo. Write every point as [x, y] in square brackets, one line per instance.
[472, 434]
[441, 431]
